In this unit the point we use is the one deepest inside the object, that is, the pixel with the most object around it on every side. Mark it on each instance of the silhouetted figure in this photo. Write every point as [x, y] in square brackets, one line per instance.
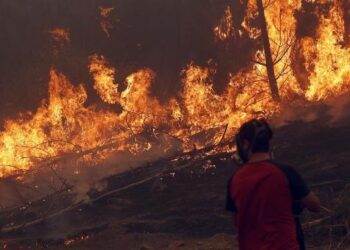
[266, 197]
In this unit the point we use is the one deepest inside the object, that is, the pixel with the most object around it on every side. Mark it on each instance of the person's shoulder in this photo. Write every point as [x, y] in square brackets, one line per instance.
[298, 186]
[278, 169]
[285, 167]
[290, 172]
[280, 164]
[256, 169]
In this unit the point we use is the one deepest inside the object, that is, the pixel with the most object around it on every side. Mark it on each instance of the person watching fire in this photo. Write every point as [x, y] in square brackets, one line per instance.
[266, 197]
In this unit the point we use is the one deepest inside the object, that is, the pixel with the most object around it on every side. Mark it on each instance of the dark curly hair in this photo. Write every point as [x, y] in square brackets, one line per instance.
[258, 133]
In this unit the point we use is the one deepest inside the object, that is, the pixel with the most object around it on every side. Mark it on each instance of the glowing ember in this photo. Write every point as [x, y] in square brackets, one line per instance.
[69, 242]
[60, 35]
[105, 12]
[225, 28]
[106, 25]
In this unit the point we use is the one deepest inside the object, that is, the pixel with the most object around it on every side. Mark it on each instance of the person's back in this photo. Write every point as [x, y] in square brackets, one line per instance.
[262, 199]
[266, 197]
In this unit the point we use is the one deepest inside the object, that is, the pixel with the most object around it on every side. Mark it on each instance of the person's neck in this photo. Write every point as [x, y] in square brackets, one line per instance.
[256, 157]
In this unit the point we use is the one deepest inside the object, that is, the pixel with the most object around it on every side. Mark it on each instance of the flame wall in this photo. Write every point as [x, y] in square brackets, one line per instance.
[158, 68]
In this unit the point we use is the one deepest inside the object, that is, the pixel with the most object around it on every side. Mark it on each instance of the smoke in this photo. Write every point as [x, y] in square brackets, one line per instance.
[333, 110]
[78, 177]
[339, 108]
[93, 178]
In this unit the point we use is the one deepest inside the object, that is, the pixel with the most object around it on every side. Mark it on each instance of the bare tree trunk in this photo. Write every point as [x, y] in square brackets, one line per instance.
[267, 50]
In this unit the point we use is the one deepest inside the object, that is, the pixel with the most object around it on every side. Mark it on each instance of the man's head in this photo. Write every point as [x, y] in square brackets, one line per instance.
[253, 137]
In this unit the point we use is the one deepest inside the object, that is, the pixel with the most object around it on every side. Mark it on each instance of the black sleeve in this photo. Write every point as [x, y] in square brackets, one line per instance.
[297, 184]
[230, 203]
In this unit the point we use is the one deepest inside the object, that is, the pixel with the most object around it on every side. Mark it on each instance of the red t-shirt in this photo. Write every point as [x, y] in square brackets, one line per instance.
[263, 198]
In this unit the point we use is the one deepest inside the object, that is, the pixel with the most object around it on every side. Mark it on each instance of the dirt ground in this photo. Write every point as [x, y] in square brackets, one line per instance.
[179, 203]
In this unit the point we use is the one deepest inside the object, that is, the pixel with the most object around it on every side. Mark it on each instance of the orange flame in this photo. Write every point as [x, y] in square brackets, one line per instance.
[61, 124]
[331, 73]
[104, 79]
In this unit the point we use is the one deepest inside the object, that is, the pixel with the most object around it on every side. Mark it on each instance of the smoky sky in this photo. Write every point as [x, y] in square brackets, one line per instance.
[163, 35]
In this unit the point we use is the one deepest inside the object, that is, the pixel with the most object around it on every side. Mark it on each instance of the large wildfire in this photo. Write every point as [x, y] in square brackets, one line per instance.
[64, 124]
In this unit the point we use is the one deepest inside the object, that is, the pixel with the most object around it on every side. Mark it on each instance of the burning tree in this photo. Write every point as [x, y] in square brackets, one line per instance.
[267, 51]
[287, 60]
[270, 26]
